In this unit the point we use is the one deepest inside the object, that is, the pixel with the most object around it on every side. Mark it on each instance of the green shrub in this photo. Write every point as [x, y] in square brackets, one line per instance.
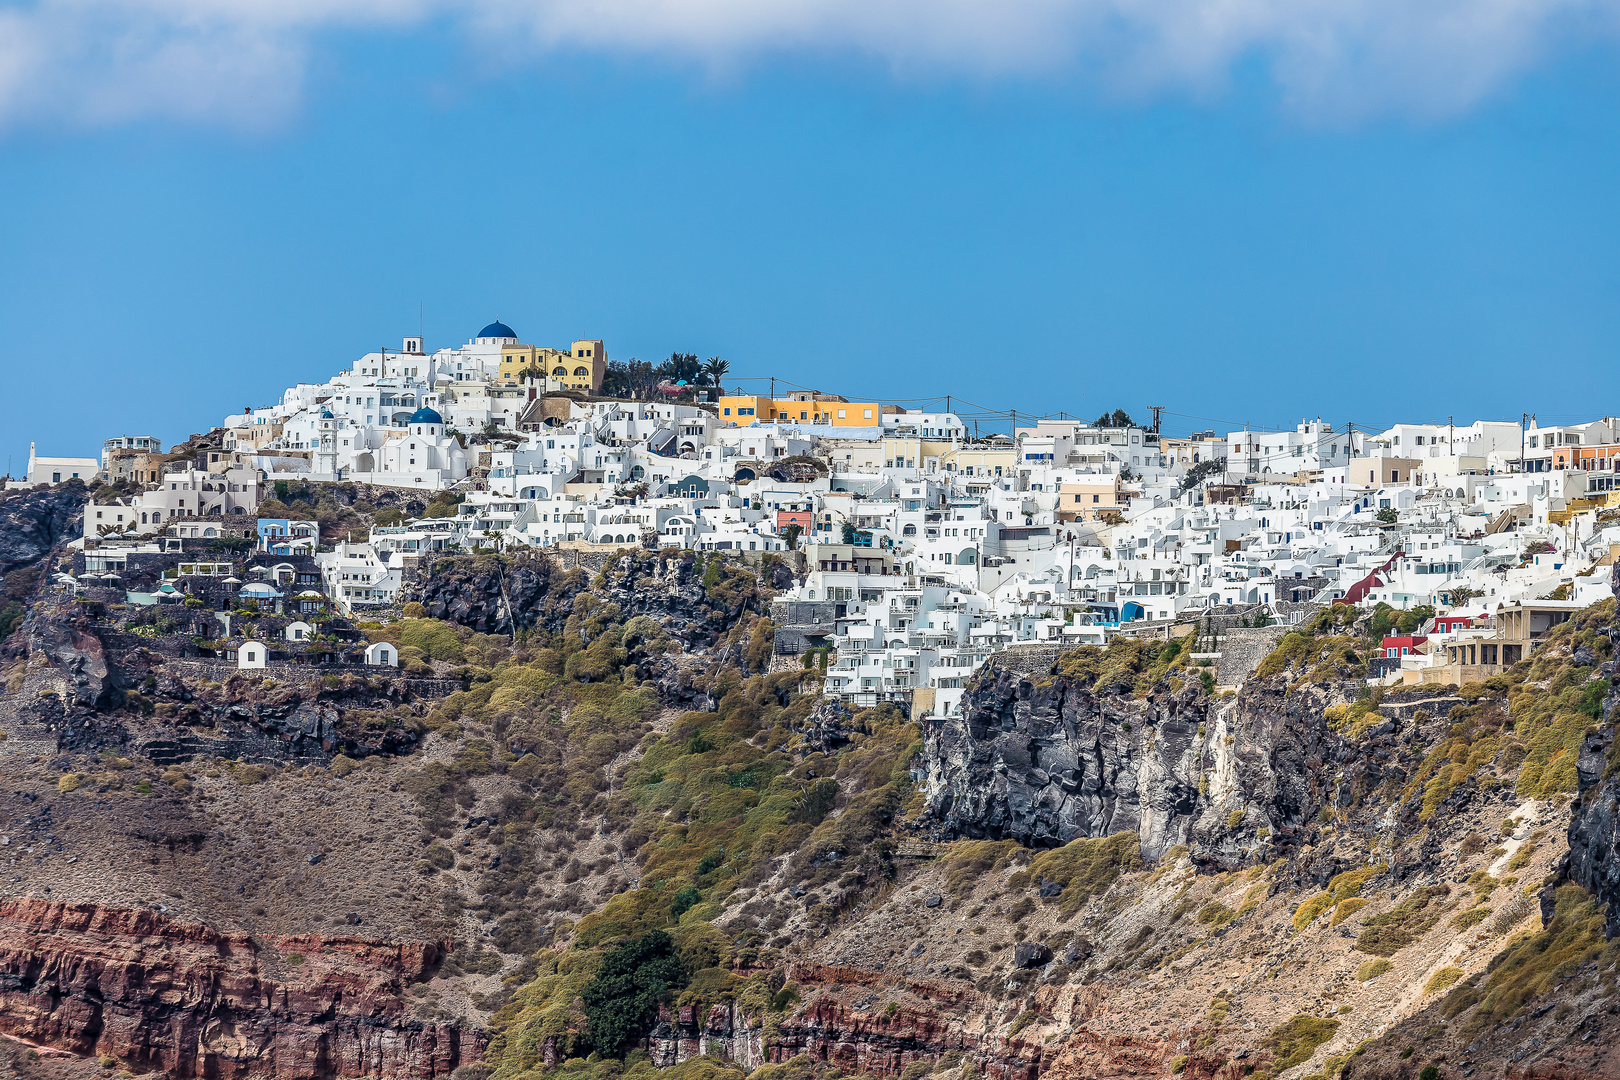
[623, 998]
[1341, 888]
[1372, 969]
[1442, 980]
[1296, 1040]
[1387, 934]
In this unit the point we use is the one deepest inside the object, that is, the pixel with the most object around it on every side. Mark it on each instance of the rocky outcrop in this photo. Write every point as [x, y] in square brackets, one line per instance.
[722, 1031]
[1594, 826]
[1050, 760]
[497, 594]
[155, 993]
[826, 729]
[34, 522]
[74, 648]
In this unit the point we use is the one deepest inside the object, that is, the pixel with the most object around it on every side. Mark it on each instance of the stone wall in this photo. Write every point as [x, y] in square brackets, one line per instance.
[1028, 658]
[1242, 649]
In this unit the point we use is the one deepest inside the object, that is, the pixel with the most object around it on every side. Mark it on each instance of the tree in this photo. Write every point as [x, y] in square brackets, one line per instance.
[680, 367]
[623, 997]
[634, 379]
[1197, 474]
[715, 369]
[1388, 515]
[849, 533]
[1462, 594]
[791, 535]
[1410, 621]
[1117, 418]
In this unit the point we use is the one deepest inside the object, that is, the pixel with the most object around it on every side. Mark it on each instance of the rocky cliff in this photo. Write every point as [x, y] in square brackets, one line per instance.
[160, 994]
[1594, 827]
[33, 522]
[503, 594]
[1048, 760]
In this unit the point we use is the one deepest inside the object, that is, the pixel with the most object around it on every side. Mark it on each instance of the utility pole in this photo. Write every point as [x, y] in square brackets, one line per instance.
[1156, 410]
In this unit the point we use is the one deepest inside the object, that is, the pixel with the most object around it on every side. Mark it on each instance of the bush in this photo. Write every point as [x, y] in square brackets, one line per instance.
[1442, 980]
[623, 998]
[1372, 969]
[1341, 888]
[1387, 934]
[1296, 1040]
[251, 774]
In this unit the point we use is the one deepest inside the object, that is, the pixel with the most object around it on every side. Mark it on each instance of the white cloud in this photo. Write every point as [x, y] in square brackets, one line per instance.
[241, 62]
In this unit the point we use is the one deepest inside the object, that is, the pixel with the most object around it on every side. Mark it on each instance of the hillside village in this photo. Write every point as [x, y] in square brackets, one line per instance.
[525, 658]
[920, 548]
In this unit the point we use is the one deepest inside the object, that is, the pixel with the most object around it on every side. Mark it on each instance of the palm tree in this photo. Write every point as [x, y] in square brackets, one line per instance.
[716, 369]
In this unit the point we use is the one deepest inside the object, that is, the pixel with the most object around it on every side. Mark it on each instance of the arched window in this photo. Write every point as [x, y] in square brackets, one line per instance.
[559, 372]
[581, 373]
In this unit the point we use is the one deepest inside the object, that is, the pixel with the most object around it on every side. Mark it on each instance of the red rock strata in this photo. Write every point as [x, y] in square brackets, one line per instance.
[156, 993]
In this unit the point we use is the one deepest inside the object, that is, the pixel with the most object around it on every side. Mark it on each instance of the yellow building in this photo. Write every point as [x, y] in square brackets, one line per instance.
[516, 359]
[979, 461]
[581, 368]
[806, 407]
[1091, 500]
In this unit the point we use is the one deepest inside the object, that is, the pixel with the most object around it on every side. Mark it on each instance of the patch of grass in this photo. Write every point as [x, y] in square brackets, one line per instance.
[1467, 920]
[1084, 867]
[969, 861]
[1387, 934]
[1315, 653]
[1296, 1040]
[1460, 1000]
[1215, 915]
[1346, 908]
[1124, 664]
[1442, 980]
[1341, 888]
[1531, 966]
[1372, 969]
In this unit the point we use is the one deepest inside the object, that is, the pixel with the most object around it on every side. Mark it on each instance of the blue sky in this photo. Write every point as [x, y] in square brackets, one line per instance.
[830, 215]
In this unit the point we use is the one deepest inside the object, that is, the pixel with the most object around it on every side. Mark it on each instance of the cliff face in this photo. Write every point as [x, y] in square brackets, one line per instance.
[33, 522]
[721, 1031]
[1046, 762]
[1594, 826]
[73, 647]
[160, 994]
[493, 594]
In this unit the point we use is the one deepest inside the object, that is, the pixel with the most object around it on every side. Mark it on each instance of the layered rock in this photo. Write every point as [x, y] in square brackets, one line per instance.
[722, 1031]
[156, 993]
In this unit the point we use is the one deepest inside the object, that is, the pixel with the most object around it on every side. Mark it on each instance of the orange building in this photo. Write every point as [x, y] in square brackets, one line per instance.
[806, 407]
[1590, 458]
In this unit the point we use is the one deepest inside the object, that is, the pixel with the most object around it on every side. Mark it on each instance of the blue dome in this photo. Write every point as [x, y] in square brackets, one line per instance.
[497, 329]
[425, 415]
